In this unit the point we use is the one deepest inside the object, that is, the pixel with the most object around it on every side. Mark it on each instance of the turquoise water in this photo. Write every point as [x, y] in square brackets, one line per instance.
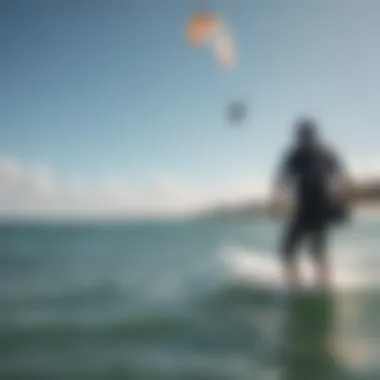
[182, 300]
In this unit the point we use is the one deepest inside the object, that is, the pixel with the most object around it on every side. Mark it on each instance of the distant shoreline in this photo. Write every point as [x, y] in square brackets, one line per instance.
[363, 198]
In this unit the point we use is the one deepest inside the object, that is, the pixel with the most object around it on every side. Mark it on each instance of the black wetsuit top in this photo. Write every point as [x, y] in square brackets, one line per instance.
[311, 170]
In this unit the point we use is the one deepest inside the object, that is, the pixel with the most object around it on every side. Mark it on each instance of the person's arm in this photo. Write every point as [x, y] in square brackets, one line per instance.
[284, 174]
[283, 178]
[342, 181]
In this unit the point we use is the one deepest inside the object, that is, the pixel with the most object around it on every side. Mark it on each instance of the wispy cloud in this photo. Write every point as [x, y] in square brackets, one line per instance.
[34, 190]
[364, 167]
[28, 190]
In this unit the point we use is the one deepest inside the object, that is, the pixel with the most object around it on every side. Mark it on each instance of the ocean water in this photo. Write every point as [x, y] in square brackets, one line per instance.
[182, 300]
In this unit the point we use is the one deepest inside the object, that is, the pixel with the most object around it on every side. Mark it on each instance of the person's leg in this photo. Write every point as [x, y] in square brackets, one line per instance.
[320, 257]
[290, 245]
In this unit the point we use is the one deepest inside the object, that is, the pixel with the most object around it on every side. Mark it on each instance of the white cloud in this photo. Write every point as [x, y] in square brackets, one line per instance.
[364, 167]
[33, 190]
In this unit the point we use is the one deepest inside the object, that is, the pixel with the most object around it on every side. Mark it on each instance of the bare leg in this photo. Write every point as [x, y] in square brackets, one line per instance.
[291, 275]
[322, 267]
[323, 276]
[290, 244]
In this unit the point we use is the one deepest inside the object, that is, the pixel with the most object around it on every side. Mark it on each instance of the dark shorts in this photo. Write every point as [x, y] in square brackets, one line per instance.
[306, 225]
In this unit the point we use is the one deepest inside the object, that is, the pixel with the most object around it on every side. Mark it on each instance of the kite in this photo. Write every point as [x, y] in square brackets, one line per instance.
[237, 112]
[207, 28]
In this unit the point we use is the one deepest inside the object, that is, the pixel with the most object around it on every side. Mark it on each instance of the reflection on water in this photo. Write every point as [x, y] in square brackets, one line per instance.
[307, 339]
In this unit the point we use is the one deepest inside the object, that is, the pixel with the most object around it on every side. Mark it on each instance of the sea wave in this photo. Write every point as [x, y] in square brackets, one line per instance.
[352, 267]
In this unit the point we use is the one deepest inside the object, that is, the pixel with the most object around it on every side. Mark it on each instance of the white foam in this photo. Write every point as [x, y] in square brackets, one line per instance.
[351, 269]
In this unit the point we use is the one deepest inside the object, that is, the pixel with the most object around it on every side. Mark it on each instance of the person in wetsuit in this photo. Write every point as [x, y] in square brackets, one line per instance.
[312, 168]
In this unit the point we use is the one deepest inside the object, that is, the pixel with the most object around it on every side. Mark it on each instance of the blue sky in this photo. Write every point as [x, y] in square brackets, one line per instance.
[109, 90]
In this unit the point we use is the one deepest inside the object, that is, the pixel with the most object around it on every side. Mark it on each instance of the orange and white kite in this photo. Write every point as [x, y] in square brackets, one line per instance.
[207, 28]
